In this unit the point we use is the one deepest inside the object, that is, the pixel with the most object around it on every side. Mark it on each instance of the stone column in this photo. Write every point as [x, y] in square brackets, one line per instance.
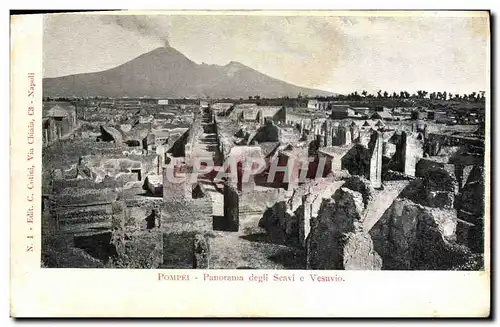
[247, 185]
[231, 207]
[411, 150]
[376, 151]
[188, 185]
[343, 135]
[157, 212]
[354, 133]
[304, 220]
[328, 133]
[158, 164]
[187, 152]
[348, 137]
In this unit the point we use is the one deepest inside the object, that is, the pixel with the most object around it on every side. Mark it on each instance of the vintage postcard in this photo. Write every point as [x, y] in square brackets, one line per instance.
[250, 164]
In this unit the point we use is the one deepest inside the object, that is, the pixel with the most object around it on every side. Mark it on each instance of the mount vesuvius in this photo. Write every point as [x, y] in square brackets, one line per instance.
[165, 72]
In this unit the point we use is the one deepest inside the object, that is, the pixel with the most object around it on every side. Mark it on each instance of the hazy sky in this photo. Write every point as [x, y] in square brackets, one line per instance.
[339, 54]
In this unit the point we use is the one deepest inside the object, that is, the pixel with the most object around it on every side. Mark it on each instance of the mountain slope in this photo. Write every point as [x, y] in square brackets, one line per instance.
[165, 72]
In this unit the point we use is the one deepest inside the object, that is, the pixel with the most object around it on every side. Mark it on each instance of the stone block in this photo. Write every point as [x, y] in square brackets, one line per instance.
[231, 208]
[201, 252]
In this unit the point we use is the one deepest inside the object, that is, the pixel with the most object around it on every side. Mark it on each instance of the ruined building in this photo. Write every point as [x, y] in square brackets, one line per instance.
[58, 121]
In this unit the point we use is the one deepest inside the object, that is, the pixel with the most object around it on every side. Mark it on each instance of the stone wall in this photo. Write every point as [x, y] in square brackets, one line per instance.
[267, 133]
[438, 188]
[410, 236]
[409, 151]
[389, 149]
[425, 164]
[343, 136]
[231, 208]
[171, 189]
[280, 224]
[178, 147]
[256, 203]
[357, 160]
[361, 185]
[470, 204]
[471, 198]
[194, 132]
[139, 250]
[201, 252]
[288, 218]
[336, 239]
[225, 144]
[280, 116]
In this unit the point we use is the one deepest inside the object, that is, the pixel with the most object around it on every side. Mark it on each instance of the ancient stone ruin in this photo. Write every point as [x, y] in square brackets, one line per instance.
[337, 239]
[231, 208]
[375, 192]
[201, 252]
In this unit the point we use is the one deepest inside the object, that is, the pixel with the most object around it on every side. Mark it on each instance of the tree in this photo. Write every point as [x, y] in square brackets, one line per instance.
[379, 93]
[386, 94]
[472, 96]
[364, 93]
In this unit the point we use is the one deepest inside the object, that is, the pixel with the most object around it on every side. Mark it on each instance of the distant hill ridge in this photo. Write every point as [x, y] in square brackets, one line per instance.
[166, 72]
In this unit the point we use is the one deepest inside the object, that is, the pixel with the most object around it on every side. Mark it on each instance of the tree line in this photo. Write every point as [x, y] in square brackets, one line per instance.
[420, 94]
[364, 95]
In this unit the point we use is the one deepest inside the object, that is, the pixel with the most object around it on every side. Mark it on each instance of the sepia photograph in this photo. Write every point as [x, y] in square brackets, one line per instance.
[264, 142]
[322, 163]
